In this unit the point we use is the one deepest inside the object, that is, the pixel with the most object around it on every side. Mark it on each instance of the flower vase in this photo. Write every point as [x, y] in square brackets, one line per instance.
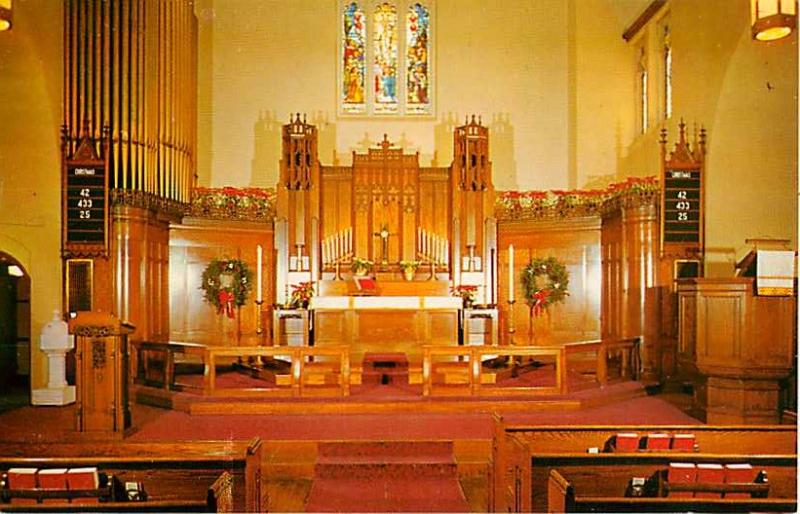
[408, 274]
[360, 272]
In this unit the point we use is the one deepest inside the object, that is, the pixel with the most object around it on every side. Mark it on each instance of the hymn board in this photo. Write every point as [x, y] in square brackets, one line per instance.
[84, 213]
[84, 199]
[682, 203]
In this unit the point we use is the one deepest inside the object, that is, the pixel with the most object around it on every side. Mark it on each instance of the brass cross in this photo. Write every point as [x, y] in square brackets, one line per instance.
[384, 234]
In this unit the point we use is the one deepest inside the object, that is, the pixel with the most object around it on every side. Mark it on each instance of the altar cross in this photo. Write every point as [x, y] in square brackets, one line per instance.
[384, 234]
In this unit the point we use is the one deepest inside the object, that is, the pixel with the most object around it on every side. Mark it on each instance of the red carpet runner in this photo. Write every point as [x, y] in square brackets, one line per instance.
[387, 476]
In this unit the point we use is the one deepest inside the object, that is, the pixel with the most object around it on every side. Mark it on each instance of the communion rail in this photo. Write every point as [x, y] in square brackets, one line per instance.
[153, 365]
[471, 358]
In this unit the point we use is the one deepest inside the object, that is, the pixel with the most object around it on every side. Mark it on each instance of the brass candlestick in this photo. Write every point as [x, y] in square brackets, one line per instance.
[511, 327]
[259, 328]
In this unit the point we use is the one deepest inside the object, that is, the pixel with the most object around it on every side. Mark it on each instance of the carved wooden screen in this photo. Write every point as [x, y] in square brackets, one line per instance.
[385, 196]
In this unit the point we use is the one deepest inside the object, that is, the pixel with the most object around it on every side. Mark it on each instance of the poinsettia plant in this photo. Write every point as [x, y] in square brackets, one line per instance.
[466, 292]
[302, 294]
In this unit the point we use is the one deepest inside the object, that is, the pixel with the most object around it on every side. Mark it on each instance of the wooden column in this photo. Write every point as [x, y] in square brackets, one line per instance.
[741, 343]
[629, 242]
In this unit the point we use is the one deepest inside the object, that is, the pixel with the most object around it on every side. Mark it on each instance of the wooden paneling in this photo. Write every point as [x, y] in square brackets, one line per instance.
[385, 330]
[743, 344]
[135, 277]
[575, 243]
[192, 246]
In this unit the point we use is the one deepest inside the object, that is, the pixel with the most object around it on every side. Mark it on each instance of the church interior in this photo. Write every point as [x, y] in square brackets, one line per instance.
[398, 255]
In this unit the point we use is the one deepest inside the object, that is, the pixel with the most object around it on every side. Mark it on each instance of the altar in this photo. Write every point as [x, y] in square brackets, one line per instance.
[402, 324]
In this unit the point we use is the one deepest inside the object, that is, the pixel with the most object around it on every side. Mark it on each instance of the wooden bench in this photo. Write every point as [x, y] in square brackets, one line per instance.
[568, 493]
[153, 363]
[170, 472]
[218, 498]
[607, 474]
[518, 448]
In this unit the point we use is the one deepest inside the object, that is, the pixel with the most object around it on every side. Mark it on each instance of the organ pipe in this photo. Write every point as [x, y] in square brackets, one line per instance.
[132, 65]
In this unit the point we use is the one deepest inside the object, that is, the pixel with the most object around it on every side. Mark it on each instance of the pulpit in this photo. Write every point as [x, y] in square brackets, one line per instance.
[101, 342]
[742, 344]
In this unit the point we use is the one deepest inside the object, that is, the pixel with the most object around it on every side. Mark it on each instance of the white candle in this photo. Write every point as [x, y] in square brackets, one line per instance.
[258, 273]
[446, 252]
[350, 240]
[325, 260]
[338, 245]
[510, 272]
[423, 243]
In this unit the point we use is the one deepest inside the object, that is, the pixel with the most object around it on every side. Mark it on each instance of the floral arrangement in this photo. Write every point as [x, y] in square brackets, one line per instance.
[409, 265]
[301, 294]
[226, 284]
[467, 293]
[361, 265]
[560, 204]
[545, 282]
[250, 203]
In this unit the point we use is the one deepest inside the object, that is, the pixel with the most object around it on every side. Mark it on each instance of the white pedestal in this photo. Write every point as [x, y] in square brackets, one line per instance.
[57, 391]
[53, 396]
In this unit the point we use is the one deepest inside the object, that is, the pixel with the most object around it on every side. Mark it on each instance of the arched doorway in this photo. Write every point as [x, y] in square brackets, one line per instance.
[15, 333]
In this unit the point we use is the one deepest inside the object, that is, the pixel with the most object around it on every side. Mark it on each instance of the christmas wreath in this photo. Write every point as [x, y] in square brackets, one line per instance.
[226, 284]
[546, 282]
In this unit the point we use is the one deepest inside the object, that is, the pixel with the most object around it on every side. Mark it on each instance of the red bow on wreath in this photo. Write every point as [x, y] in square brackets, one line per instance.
[540, 300]
[226, 303]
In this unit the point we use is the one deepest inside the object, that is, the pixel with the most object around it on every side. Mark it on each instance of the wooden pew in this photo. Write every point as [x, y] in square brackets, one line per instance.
[575, 495]
[607, 474]
[517, 444]
[170, 472]
[219, 498]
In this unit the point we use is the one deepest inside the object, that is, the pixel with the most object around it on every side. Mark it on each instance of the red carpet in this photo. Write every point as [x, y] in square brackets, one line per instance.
[419, 476]
[175, 425]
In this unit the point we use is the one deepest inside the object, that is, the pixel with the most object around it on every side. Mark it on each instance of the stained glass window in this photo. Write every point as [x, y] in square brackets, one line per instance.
[354, 60]
[643, 93]
[667, 74]
[417, 69]
[385, 58]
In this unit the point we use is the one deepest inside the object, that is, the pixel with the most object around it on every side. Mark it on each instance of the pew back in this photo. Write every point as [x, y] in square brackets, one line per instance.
[169, 471]
[539, 440]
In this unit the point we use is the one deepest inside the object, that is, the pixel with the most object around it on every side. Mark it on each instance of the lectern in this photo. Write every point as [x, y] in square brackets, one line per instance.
[101, 357]
[742, 343]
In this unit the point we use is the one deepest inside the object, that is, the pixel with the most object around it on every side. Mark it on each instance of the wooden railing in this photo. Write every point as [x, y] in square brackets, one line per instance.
[153, 364]
[299, 357]
[470, 358]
